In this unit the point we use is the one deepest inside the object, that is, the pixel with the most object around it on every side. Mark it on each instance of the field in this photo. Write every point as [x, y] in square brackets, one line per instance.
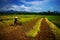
[30, 27]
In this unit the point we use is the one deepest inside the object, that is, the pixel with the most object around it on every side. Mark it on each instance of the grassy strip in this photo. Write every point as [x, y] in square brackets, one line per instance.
[26, 19]
[55, 19]
[54, 28]
[35, 30]
[21, 18]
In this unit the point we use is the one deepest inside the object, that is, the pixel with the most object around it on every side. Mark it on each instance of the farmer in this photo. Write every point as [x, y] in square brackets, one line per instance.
[15, 21]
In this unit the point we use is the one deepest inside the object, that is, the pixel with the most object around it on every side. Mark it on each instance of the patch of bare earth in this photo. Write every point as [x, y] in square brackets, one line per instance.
[17, 32]
[45, 33]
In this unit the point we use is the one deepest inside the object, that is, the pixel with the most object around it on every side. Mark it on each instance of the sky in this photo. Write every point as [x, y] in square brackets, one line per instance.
[30, 5]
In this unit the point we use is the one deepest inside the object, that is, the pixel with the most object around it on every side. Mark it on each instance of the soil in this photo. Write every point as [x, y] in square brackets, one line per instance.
[45, 33]
[19, 32]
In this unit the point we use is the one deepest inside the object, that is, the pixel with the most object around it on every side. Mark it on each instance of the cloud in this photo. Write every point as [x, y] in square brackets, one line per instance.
[25, 8]
[31, 6]
[15, 8]
[35, 2]
[35, 5]
[20, 8]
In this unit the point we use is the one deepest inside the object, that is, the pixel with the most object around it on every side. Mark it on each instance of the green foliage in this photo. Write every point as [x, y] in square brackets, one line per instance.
[55, 19]
[30, 13]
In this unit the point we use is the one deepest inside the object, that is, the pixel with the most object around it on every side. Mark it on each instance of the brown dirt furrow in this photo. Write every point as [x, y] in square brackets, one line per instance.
[46, 33]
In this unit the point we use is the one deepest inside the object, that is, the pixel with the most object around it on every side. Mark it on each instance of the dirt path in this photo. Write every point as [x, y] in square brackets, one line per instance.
[46, 33]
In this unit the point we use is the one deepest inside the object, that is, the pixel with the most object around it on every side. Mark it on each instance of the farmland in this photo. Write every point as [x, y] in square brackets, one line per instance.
[34, 27]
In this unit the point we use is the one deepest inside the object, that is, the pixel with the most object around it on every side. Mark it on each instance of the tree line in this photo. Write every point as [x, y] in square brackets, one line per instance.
[30, 13]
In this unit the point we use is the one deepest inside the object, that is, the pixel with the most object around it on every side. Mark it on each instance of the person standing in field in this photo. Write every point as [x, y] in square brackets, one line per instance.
[16, 20]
